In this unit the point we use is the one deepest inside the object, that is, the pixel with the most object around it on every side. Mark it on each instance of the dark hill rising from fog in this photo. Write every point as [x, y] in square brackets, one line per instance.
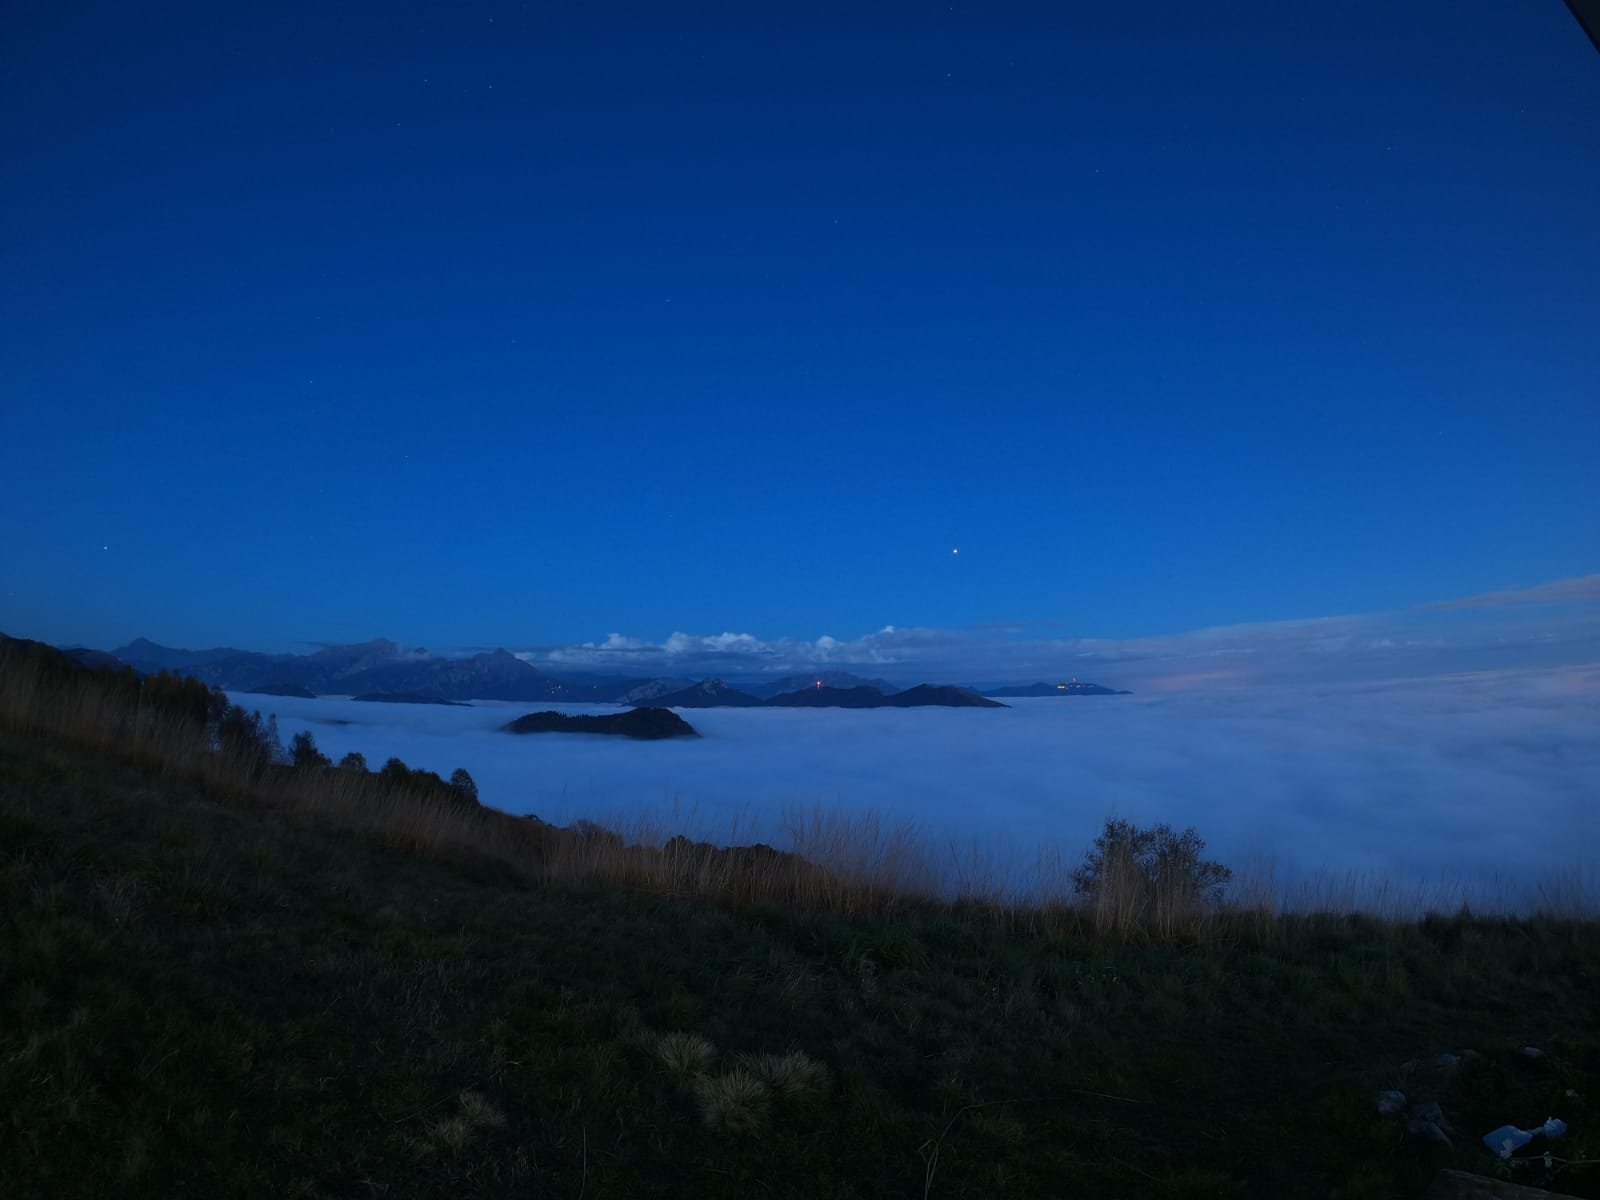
[408, 698]
[645, 724]
[942, 695]
[829, 697]
[925, 695]
[1072, 688]
[281, 689]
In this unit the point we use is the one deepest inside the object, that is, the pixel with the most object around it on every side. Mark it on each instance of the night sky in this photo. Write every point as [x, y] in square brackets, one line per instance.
[530, 324]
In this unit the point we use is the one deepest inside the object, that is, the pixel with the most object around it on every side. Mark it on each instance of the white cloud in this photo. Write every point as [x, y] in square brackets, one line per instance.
[734, 652]
[1479, 633]
[1582, 590]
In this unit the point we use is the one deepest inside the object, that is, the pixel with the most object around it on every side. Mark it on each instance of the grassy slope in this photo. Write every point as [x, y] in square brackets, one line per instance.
[198, 1000]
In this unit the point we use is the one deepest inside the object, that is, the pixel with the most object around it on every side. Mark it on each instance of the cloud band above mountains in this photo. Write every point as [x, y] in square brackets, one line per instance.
[1583, 590]
[1554, 624]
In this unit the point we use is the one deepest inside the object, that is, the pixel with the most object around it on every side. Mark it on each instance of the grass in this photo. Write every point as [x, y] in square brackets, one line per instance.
[209, 994]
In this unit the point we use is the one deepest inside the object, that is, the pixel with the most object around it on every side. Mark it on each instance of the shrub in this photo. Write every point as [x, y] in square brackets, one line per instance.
[586, 830]
[304, 755]
[1133, 875]
[249, 742]
[463, 785]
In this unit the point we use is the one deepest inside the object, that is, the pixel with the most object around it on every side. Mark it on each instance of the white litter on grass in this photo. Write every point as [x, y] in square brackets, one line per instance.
[1508, 1139]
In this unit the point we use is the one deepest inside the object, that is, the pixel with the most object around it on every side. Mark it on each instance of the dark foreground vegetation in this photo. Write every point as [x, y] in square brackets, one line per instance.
[310, 980]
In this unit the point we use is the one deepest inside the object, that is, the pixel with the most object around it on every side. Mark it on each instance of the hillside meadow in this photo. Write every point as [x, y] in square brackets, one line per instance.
[227, 975]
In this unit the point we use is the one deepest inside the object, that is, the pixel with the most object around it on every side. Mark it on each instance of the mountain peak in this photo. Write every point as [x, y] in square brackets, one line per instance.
[376, 646]
[708, 693]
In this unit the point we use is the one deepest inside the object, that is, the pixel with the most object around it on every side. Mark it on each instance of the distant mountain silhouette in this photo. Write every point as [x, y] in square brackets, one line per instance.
[382, 668]
[646, 723]
[146, 656]
[708, 693]
[828, 679]
[924, 695]
[1072, 688]
[283, 689]
[496, 675]
[359, 668]
[408, 698]
[602, 691]
[643, 691]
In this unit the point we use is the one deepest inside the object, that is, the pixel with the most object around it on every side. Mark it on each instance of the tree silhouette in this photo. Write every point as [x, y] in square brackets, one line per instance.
[304, 755]
[463, 785]
[1159, 862]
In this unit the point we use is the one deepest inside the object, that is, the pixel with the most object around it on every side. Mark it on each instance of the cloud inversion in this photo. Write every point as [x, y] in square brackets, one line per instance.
[1484, 779]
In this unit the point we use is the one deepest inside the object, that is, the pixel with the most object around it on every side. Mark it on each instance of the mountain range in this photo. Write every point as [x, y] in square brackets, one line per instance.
[378, 666]
[383, 667]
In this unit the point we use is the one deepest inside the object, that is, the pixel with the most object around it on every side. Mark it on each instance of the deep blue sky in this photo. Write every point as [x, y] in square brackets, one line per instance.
[523, 323]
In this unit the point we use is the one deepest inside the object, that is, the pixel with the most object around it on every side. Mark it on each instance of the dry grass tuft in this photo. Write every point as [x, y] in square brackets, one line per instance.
[736, 1102]
[451, 1133]
[479, 1113]
[792, 1077]
[685, 1055]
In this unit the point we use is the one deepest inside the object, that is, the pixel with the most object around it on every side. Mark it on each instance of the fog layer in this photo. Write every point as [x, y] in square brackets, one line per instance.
[1490, 778]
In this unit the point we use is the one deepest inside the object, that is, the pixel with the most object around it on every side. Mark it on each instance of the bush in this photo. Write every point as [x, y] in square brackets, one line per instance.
[586, 830]
[304, 755]
[463, 785]
[354, 761]
[1136, 875]
[250, 743]
[183, 698]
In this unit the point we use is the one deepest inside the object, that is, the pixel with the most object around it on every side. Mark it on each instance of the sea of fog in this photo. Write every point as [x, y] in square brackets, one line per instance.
[1486, 783]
